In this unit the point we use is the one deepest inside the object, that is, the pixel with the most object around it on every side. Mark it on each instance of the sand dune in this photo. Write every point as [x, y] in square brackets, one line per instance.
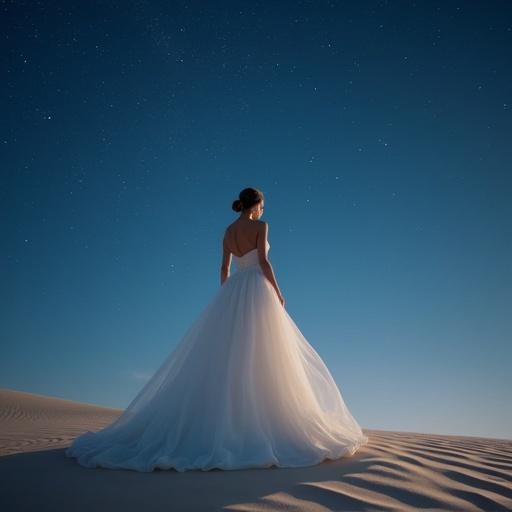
[396, 471]
[30, 422]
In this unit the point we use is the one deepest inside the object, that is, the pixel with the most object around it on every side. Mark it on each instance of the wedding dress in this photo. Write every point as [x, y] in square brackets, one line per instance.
[242, 389]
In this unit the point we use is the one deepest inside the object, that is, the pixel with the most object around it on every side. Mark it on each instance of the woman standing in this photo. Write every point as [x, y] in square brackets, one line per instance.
[242, 389]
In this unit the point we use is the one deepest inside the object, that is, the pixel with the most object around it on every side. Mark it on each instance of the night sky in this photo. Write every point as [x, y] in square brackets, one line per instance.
[380, 134]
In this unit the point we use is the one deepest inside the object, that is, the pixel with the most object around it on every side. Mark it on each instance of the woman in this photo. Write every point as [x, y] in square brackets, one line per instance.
[243, 388]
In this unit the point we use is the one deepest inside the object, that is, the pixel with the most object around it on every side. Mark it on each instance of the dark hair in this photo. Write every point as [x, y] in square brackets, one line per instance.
[247, 198]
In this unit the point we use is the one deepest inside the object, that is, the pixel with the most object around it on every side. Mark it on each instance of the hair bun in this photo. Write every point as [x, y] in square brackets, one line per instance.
[247, 198]
[237, 205]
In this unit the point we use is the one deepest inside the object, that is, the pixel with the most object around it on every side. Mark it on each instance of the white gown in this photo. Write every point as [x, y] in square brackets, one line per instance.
[242, 389]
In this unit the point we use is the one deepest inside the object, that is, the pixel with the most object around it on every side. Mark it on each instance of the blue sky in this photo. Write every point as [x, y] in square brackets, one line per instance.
[379, 133]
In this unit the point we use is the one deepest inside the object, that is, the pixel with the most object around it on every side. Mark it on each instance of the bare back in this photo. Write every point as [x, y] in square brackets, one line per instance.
[242, 236]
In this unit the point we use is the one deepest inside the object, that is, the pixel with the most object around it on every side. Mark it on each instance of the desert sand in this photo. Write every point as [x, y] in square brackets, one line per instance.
[394, 471]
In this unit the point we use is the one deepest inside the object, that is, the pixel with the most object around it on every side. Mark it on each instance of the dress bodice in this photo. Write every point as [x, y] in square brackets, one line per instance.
[248, 260]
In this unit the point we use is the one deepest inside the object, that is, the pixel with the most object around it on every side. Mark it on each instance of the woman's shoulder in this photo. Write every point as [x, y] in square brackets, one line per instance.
[257, 223]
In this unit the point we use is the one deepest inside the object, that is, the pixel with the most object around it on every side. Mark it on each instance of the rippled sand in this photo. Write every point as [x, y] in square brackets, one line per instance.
[395, 471]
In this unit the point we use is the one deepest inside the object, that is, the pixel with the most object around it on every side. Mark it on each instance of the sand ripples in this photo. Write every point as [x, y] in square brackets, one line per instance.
[396, 471]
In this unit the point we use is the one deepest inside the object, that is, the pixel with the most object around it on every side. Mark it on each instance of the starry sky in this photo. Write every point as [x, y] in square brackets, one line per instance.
[380, 134]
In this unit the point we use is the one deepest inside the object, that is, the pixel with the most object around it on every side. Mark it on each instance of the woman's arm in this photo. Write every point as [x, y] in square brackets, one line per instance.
[226, 261]
[265, 264]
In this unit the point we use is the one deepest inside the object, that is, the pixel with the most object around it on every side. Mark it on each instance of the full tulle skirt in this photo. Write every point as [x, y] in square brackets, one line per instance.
[242, 389]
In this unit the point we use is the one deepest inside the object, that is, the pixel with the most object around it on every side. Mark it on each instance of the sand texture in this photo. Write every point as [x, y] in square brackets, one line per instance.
[397, 471]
